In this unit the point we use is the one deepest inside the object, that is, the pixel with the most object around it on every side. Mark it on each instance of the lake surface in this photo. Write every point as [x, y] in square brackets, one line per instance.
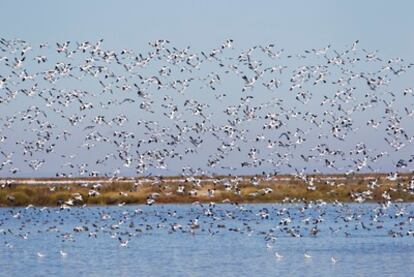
[205, 240]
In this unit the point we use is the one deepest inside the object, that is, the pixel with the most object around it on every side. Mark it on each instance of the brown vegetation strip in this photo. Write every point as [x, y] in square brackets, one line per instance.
[238, 190]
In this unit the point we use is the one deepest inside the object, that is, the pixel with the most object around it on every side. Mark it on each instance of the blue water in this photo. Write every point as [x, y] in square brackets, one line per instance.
[231, 240]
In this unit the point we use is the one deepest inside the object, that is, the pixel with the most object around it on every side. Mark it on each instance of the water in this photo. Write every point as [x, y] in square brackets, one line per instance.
[231, 240]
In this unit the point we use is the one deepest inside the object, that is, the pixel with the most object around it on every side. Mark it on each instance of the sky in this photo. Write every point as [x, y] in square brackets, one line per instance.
[292, 25]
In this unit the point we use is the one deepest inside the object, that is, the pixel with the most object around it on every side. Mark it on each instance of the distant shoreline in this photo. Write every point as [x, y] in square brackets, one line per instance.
[68, 192]
[283, 177]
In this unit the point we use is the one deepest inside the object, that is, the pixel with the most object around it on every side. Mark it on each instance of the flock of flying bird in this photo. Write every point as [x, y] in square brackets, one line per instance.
[78, 109]
[84, 110]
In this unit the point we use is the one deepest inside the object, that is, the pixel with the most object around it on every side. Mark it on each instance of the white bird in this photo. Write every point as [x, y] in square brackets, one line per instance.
[307, 256]
[278, 256]
[123, 243]
[40, 255]
[269, 246]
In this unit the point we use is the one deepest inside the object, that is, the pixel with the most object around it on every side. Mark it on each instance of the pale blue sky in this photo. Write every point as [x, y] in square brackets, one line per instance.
[295, 25]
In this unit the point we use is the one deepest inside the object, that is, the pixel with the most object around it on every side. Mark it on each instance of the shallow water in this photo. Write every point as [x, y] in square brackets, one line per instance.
[231, 240]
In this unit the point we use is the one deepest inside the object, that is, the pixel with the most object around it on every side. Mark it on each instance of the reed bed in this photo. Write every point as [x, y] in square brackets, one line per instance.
[355, 188]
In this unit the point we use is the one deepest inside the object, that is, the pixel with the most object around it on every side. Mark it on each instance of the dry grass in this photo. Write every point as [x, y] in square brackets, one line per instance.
[346, 190]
